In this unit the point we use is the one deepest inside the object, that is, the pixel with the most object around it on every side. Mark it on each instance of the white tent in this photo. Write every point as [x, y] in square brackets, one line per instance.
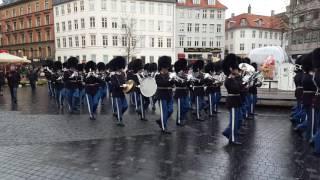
[9, 58]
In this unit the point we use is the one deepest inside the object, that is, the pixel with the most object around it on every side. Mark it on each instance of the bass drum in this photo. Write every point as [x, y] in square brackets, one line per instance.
[148, 87]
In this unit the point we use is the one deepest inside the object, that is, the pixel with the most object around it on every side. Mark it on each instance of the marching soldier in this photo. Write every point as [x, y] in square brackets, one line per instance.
[153, 68]
[164, 92]
[48, 74]
[233, 101]
[210, 83]
[118, 81]
[71, 79]
[103, 86]
[253, 93]
[198, 88]
[82, 92]
[58, 83]
[182, 91]
[92, 85]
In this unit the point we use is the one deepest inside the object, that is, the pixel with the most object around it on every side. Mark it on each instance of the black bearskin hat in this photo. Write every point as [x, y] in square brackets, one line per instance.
[146, 67]
[164, 62]
[231, 61]
[57, 65]
[49, 64]
[246, 60]
[299, 60]
[180, 65]
[209, 68]
[153, 67]
[90, 66]
[73, 62]
[218, 66]
[101, 66]
[117, 63]
[198, 66]
[107, 66]
[80, 67]
[130, 66]
[65, 65]
[307, 62]
[316, 58]
[137, 65]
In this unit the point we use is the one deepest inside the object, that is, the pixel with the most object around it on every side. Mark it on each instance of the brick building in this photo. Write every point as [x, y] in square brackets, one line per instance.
[27, 28]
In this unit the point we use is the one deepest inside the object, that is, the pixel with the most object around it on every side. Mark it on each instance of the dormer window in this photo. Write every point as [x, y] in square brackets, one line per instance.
[243, 22]
[196, 1]
[182, 1]
[211, 2]
[259, 23]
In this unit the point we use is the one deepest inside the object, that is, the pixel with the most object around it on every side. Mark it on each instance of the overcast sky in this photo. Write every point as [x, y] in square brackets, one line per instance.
[261, 7]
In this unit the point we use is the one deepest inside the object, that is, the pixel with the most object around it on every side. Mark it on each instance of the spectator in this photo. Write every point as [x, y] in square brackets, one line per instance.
[2, 80]
[13, 78]
[33, 78]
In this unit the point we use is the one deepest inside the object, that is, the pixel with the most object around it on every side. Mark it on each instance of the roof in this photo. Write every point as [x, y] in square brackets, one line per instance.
[57, 2]
[203, 4]
[267, 22]
[8, 3]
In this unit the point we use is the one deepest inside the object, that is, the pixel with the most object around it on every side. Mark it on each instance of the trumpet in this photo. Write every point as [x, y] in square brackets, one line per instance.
[175, 77]
[74, 74]
[91, 73]
[297, 67]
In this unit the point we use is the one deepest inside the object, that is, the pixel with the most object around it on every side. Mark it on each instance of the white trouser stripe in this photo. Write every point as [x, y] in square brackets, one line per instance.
[135, 100]
[118, 109]
[215, 103]
[198, 114]
[232, 123]
[89, 107]
[210, 104]
[112, 104]
[179, 111]
[141, 106]
[312, 123]
[161, 115]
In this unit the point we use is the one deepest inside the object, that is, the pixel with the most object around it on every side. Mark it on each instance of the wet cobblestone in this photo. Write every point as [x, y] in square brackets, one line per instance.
[37, 141]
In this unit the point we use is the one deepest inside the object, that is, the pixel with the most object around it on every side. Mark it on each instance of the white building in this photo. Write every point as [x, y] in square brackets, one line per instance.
[249, 31]
[101, 29]
[200, 29]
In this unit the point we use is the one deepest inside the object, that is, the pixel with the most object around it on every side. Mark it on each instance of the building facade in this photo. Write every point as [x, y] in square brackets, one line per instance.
[27, 28]
[98, 30]
[304, 34]
[200, 29]
[248, 31]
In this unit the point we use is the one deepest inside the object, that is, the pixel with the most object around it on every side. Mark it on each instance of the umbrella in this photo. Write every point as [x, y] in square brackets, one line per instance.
[9, 58]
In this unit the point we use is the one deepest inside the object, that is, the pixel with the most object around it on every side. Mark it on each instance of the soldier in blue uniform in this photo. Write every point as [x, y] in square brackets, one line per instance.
[71, 79]
[217, 86]
[164, 92]
[211, 86]
[153, 68]
[253, 91]
[48, 74]
[182, 91]
[118, 81]
[103, 85]
[198, 84]
[57, 81]
[82, 92]
[233, 101]
[92, 84]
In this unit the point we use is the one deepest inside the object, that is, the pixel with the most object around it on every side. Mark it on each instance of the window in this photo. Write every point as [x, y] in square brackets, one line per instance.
[57, 27]
[266, 35]
[142, 41]
[241, 47]
[276, 35]
[242, 34]
[160, 9]
[83, 40]
[204, 28]
[218, 43]
[64, 42]
[152, 42]
[37, 6]
[38, 21]
[29, 23]
[104, 5]
[123, 6]
[260, 34]
[123, 23]
[104, 22]
[48, 35]
[151, 59]
[84, 57]
[189, 41]
[211, 28]
[169, 42]
[114, 23]
[23, 39]
[63, 26]
[105, 40]
[211, 2]
[196, 29]
[204, 14]
[151, 25]
[253, 34]
[196, 1]
[76, 40]
[204, 42]
[181, 27]
[82, 5]
[181, 41]
[160, 26]
[46, 4]
[142, 8]
[253, 45]
[197, 14]
[76, 26]
[30, 37]
[160, 42]
[142, 25]
[189, 12]
[14, 25]
[21, 11]
[211, 14]
[271, 35]
[114, 5]
[75, 7]
[91, 5]
[231, 47]
[47, 19]
[58, 43]
[218, 28]
[105, 58]
[82, 24]
[133, 7]
[70, 41]
[151, 8]
[196, 42]
[115, 40]
[62, 9]
[92, 22]
[93, 57]
[69, 26]
[57, 11]
[29, 8]
[211, 42]
[69, 8]
[219, 16]
[189, 27]
[93, 40]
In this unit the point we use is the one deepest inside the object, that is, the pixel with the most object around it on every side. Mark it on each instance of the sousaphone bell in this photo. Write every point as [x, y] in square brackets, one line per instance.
[130, 85]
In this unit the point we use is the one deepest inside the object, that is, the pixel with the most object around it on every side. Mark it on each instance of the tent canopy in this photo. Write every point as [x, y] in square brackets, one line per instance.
[260, 55]
[9, 58]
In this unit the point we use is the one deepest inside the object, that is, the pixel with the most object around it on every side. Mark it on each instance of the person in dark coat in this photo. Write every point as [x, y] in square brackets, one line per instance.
[13, 78]
[33, 78]
[2, 81]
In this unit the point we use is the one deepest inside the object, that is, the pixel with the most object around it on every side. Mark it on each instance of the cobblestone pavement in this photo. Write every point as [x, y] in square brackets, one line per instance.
[37, 141]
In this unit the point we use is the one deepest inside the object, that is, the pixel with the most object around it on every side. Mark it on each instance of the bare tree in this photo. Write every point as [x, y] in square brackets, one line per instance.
[130, 38]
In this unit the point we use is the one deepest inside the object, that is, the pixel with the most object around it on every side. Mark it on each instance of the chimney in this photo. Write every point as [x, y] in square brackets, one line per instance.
[272, 12]
[232, 15]
[249, 9]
